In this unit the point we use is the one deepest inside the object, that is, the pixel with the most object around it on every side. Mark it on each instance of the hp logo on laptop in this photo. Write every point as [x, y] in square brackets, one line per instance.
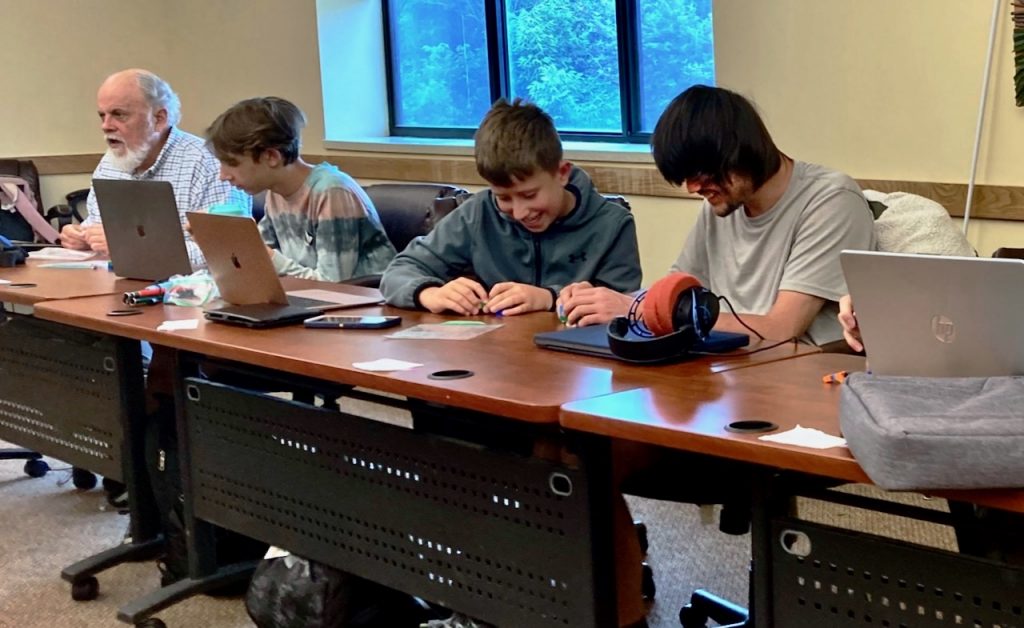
[943, 328]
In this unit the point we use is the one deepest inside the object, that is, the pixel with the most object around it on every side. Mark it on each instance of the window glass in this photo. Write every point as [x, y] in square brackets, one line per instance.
[439, 62]
[564, 56]
[676, 50]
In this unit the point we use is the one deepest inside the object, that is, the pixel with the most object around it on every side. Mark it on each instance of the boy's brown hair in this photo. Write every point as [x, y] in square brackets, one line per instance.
[515, 141]
[253, 126]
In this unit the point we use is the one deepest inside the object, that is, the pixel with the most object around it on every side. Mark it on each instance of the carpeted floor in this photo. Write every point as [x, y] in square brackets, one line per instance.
[46, 524]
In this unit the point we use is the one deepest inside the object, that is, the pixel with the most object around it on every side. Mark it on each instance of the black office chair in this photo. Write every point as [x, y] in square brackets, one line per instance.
[259, 202]
[408, 210]
[734, 518]
[1008, 253]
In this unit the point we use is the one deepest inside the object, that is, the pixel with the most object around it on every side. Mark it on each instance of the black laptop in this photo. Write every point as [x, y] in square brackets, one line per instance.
[593, 340]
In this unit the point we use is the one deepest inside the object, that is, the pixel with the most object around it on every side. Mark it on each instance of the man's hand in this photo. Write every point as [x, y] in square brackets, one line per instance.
[510, 298]
[73, 237]
[848, 319]
[96, 239]
[582, 304]
[462, 296]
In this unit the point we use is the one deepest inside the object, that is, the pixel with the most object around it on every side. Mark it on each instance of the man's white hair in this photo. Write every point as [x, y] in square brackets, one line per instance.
[159, 95]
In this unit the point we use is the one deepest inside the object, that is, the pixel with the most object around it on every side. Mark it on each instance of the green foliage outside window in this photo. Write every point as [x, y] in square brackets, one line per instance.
[562, 54]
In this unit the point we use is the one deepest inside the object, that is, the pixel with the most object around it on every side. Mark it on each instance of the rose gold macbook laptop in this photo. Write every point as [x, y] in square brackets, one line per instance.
[244, 273]
[933, 316]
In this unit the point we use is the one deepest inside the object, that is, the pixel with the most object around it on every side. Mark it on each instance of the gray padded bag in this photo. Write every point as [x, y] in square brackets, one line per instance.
[917, 433]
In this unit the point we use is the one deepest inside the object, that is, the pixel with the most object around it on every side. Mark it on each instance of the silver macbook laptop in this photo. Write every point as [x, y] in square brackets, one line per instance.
[244, 273]
[938, 316]
[143, 230]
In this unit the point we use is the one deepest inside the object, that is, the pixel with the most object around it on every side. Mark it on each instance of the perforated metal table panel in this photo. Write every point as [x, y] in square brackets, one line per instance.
[501, 536]
[60, 393]
[857, 579]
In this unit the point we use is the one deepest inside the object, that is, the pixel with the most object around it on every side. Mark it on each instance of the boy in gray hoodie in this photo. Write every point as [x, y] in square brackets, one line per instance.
[513, 247]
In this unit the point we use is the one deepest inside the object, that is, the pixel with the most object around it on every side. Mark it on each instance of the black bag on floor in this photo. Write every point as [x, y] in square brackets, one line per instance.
[293, 592]
[165, 482]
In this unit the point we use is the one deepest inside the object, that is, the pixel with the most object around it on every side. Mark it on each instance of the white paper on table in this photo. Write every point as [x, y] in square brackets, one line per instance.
[805, 437]
[386, 364]
[61, 254]
[187, 323]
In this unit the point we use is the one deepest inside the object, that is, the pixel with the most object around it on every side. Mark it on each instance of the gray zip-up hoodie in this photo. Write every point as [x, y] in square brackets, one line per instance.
[595, 242]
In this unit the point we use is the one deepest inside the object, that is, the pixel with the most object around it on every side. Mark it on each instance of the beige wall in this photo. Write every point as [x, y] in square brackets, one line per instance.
[879, 88]
[213, 52]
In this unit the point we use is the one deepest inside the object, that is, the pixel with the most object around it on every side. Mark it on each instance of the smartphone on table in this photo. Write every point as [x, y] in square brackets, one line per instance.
[337, 321]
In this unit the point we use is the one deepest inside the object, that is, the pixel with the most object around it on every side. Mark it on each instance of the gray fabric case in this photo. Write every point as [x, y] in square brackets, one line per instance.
[916, 433]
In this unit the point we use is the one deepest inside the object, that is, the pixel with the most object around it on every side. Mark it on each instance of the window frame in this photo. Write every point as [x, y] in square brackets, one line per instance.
[628, 40]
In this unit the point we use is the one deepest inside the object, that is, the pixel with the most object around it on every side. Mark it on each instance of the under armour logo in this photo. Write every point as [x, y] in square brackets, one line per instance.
[577, 257]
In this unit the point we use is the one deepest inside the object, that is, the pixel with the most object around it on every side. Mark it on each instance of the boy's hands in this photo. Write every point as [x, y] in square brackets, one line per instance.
[583, 304]
[512, 298]
[467, 297]
[462, 296]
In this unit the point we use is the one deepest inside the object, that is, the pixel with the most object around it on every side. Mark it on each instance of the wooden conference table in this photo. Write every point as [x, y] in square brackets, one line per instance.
[808, 574]
[484, 505]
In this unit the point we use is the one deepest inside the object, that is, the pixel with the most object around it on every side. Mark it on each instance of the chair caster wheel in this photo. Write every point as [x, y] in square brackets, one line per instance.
[85, 589]
[83, 479]
[641, 535]
[647, 586]
[36, 468]
[151, 622]
[690, 617]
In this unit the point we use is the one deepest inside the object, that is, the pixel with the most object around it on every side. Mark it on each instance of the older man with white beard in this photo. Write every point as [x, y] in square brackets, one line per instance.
[139, 114]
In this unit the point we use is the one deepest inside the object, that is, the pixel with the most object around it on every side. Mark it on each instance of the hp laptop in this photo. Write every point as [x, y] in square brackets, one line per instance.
[937, 316]
[593, 340]
[244, 273]
[140, 220]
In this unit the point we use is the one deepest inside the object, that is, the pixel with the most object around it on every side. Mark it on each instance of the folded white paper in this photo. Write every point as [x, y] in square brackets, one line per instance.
[386, 364]
[806, 437]
[188, 323]
[61, 254]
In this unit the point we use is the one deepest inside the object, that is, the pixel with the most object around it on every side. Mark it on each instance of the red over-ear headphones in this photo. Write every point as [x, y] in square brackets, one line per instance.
[665, 322]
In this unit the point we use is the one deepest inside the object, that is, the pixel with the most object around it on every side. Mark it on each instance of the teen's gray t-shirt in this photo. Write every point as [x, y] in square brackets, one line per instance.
[793, 246]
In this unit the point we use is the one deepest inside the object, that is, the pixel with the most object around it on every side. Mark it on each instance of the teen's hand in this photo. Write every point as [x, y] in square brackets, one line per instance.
[462, 296]
[73, 237]
[583, 304]
[96, 238]
[511, 298]
[848, 319]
